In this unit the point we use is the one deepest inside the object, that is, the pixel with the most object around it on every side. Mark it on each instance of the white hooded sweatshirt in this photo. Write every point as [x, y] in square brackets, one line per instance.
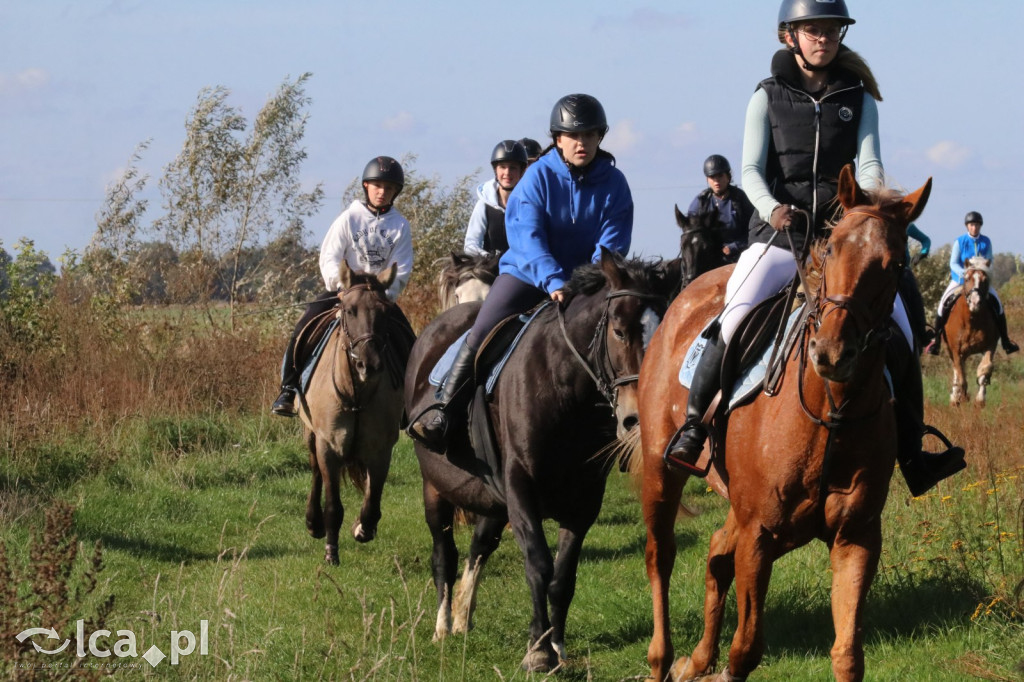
[368, 242]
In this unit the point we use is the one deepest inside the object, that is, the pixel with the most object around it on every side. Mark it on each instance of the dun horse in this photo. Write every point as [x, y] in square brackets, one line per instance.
[970, 330]
[352, 409]
[565, 393]
[814, 461]
[464, 278]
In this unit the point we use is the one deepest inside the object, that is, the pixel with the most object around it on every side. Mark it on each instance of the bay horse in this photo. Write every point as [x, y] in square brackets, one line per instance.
[970, 330]
[813, 461]
[565, 394]
[464, 278]
[700, 244]
[352, 408]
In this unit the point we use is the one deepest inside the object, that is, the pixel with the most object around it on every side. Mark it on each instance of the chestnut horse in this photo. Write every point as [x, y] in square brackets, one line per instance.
[565, 394]
[814, 461]
[352, 408]
[464, 278]
[970, 330]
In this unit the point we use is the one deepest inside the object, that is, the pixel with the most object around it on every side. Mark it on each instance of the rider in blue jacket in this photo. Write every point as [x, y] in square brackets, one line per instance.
[570, 203]
[967, 246]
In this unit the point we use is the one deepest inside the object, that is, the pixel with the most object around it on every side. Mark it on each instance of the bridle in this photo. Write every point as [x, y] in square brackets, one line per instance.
[605, 376]
[352, 342]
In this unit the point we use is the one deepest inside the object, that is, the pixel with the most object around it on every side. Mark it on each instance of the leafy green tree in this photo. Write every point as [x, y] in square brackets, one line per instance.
[226, 195]
[24, 322]
[932, 275]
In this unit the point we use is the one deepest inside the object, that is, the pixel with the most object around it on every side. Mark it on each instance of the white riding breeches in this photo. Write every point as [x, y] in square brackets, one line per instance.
[953, 286]
[762, 271]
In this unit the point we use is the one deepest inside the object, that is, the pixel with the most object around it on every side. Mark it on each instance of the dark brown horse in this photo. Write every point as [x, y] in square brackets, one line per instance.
[464, 278]
[700, 244]
[814, 461]
[971, 330]
[352, 409]
[565, 394]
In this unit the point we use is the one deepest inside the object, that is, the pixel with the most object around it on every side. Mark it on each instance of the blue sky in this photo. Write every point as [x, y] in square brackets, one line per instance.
[82, 83]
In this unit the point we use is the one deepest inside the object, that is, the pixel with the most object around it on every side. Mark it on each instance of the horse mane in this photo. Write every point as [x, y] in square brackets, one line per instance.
[589, 278]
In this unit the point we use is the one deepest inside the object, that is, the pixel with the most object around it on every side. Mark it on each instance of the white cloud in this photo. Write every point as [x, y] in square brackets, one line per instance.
[948, 154]
[622, 138]
[29, 79]
[402, 122]
[684, 134]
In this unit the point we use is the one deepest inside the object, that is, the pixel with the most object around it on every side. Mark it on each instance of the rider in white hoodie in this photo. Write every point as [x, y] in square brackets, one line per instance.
[486, 231]
[369, 235]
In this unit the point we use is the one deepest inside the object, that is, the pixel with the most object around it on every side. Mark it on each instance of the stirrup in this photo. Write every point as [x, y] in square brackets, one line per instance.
[950, 448]
[410, 430]
[690, 468]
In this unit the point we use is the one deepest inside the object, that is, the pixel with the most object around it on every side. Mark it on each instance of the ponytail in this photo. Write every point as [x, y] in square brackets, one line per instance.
[855, 64]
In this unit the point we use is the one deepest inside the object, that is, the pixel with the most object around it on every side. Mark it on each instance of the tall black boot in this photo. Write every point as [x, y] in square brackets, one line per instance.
[284, 406]
[921, 469]
[940, 323]
[431, 427]
[1004, 336]
[707, 379]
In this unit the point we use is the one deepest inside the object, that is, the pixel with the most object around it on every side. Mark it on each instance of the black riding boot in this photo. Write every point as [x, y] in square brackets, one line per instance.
[707, 379]
[921, 469]
[431, 428]
[940, 323]
[284, 406]
[1004, 336]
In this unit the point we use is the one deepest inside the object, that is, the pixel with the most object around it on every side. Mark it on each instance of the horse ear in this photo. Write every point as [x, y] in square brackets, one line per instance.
[610, 269]
[388, 276]
[850, 194]
[680, 218]
[914, 203]
[344, 275]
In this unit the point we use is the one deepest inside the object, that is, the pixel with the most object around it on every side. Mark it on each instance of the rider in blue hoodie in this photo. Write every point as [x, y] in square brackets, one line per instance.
[570, 203]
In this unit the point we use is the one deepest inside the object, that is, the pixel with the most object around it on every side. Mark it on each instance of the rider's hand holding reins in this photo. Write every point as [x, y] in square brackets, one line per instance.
[558, 296]
[782, 217]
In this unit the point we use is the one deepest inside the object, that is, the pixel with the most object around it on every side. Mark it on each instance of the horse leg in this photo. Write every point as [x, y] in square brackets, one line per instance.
[440, 517]
[854, 560]
[563, 583]
[718, 578]
[486, 538]
[662, 491]
[984, 377]
[753, 571]
[529, 534]
[959, 384]
[314, 507]
[377, 467]
[334, 512]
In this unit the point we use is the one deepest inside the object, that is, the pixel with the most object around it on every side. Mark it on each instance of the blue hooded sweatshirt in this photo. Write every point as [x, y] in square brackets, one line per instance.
[557, 219]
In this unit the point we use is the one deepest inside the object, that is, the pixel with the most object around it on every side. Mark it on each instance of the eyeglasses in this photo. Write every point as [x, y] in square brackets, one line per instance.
[815, 32]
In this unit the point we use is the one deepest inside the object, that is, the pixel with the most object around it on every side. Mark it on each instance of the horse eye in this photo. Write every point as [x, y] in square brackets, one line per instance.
[619, 334]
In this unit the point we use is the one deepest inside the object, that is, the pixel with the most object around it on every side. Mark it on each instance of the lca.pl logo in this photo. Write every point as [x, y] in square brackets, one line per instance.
[126, 646]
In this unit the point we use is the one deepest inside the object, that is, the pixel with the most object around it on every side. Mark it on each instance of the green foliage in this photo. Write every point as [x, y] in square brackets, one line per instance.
[932, 275]
[24, 320]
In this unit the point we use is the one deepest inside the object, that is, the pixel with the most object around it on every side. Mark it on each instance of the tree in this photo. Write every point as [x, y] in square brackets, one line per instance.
[225, 196]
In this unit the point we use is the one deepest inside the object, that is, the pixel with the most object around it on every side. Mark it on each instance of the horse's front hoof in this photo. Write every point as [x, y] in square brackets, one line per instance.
[331, 554]
[540, 661]
[363, 533]
[315, 529]
[683, 670]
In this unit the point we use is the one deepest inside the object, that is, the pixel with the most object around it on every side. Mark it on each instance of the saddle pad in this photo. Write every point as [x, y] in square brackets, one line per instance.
[444, 365]
[314, 359]
[751, 379]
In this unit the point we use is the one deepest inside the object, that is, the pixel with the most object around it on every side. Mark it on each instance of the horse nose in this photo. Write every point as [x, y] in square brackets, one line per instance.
[630, 422]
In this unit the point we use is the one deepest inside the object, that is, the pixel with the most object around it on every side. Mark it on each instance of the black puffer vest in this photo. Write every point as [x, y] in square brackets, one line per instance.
[812, 139]
[495, 239]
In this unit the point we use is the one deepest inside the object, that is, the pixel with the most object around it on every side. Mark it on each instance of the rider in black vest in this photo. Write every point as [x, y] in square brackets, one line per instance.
[733, 206]
[485, 233]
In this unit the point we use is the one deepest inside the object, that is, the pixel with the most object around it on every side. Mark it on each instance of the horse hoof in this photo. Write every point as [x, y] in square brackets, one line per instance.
[540, 661]
[362, 533]
[331, 554]
[316, 530]
[683, 671]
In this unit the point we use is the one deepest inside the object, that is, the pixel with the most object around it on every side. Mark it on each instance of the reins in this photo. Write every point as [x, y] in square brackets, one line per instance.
[604, 377]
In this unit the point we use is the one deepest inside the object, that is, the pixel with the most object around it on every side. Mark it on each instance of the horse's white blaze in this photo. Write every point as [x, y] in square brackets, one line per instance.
[471, 290]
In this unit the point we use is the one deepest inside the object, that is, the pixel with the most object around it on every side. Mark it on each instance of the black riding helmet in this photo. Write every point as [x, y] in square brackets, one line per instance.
[509, 151]
[973, 217]
[794, 11]
[385, 169]
[715, 164]
[532, 147]
[578, 114]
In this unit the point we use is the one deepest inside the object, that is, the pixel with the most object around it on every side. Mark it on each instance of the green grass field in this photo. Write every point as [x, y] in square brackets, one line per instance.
[202, 519]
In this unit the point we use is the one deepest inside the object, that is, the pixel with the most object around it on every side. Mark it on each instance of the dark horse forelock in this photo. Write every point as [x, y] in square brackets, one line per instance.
[589, 279]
